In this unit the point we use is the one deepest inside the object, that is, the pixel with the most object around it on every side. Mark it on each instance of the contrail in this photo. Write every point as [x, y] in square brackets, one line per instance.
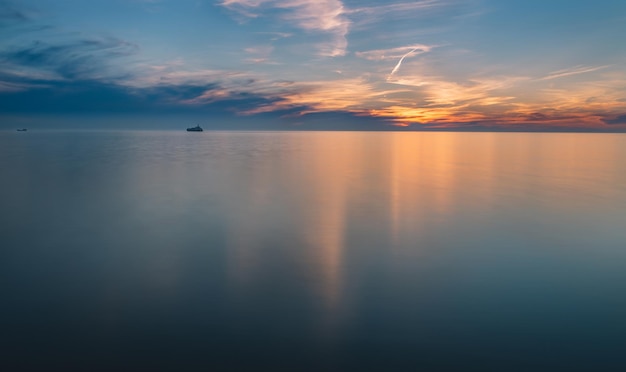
[400, 62]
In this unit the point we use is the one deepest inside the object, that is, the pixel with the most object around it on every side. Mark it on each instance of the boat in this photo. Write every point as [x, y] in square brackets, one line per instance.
[197, 128]
[22, 130]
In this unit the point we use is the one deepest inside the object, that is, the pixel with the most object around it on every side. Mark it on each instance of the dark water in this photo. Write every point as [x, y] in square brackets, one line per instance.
[312, 251]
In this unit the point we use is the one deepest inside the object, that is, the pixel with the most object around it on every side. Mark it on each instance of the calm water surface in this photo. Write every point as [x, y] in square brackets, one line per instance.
[312, 251]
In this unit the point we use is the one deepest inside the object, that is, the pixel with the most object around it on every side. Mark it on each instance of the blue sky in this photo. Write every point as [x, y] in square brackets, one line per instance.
[327, 64]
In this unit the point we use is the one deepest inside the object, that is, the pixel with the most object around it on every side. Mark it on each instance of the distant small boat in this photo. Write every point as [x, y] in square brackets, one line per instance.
[197, 128]
[22, 130]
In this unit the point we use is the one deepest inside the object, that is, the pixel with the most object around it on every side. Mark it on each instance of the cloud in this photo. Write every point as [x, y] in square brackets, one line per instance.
[381, 10]
[598, 95]
[619, 120]
[177, 74]
[349, 95]
[259, 54]
[425, 115]
[394, 53]
[211, 85]
[476, 91]
[208, 96]
[332, 17]
[72, 97]
[370, 14]
[10, 13]
[276, 35]
[577, 70]
[7, 86]
[81, 59]
[395, 69]
[17, 18]
[465, 116]
[315, 16]
[410, 18]
[94, 97]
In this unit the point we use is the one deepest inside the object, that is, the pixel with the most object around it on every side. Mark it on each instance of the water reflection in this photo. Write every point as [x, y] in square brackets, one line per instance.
[339, 249]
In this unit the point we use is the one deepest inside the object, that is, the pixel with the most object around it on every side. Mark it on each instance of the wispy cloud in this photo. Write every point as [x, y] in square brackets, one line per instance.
[577, 70]
[276, 35]
[9, 12]
[394, 53]
[79, 59]
[381, 10]
[364, 17]
[175, 73]
[395, 69]
[319, 16]
[7, 86]
[259, 54]
[350, 95]
[209, 96]
[367, 15]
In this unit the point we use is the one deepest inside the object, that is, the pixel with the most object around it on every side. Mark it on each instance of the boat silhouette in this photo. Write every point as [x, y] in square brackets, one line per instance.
[197, 128]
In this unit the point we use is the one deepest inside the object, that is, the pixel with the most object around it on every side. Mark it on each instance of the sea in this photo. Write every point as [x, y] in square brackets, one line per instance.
[312, 251]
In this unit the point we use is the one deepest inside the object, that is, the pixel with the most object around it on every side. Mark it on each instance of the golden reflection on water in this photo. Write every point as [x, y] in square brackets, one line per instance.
[328, 186]
[295, 196]
[305, 202]
[313, 188]
[415, 161]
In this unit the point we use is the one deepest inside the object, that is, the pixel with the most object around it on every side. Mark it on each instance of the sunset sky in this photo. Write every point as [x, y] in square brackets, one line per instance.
[314, 64]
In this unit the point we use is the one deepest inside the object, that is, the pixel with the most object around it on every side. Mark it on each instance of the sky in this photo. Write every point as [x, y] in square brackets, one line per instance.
[314, 64]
